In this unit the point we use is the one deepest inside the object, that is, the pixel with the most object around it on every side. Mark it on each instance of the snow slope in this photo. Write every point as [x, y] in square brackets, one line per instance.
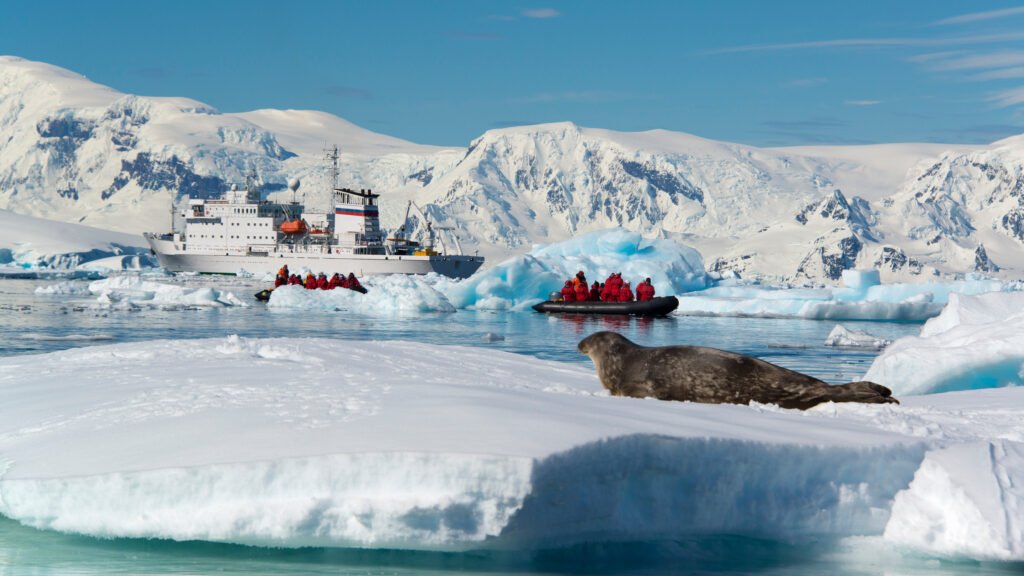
[37, 243]
[78, 151]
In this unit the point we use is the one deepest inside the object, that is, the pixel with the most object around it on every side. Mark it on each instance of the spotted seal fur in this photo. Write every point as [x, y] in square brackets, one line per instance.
[709, 375]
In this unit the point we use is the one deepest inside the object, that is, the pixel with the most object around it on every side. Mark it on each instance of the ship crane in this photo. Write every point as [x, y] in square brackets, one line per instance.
[414, 209]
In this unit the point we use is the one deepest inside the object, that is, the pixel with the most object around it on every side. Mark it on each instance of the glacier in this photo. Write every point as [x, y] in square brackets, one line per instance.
[316, 442]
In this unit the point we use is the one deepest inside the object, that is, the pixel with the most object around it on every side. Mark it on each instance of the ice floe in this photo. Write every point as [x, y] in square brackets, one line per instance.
[864, 300]
[844, 337]
[132, 292]
[977, 342]
[386, 295]
[297, 442]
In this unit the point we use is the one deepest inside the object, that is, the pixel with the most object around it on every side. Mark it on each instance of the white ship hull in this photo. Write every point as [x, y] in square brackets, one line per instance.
[324, 261]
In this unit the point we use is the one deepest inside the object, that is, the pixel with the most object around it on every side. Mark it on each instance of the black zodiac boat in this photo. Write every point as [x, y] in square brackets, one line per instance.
[659, 306]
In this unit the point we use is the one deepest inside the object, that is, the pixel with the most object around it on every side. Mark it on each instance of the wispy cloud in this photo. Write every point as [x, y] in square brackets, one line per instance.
[981, 61]
[541, 13]
[1001, 74]
[806, 82]
[152, 72]
[510, 123]
[980, 16]
[815, 123]
[861, 102]
[474, 36]
[933, 56]
[1007, 98]
[582, 96]
[873, 43]
[348, 92]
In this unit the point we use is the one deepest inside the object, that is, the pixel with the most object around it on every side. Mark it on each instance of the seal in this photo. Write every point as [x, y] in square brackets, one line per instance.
[713, 376]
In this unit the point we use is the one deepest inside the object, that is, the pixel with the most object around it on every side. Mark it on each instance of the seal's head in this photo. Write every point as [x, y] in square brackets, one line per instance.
[607, 350]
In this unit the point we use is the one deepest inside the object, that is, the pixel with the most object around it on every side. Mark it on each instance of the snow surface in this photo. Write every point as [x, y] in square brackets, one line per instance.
[524, 280]
[128, 292]
[976, 342]
[913, 302]
[296, 442]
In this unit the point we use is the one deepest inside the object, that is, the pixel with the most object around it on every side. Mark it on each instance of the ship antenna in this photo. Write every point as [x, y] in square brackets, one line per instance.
[332, 156]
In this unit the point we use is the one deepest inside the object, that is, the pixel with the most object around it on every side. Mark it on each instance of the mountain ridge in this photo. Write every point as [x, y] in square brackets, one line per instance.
[81, 152]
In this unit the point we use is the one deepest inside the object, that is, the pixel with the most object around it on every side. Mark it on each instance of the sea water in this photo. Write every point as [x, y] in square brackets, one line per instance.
[35, 324]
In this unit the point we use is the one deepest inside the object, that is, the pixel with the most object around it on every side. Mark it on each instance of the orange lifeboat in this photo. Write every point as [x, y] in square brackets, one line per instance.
[294, 227]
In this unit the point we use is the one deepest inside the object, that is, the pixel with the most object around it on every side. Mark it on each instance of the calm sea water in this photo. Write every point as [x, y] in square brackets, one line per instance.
[34, 324]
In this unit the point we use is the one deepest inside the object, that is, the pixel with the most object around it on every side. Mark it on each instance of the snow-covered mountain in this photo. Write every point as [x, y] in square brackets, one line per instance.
[76, 151]
[80, 152]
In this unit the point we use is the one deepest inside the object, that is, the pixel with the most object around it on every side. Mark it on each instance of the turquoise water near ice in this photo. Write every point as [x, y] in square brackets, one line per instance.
[36, 324]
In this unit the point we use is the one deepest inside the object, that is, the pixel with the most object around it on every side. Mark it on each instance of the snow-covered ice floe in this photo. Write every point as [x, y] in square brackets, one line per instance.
[843, 337]
[386, 295]
[293, 442]
[130, 292]
[524, 280]
[976, 342]
[862, 298]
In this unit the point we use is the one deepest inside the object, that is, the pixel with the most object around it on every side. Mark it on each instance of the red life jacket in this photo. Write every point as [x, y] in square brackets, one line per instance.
[625, 294]
[568, 294]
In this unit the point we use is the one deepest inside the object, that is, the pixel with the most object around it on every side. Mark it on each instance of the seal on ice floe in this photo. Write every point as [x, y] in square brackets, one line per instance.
[709, 375]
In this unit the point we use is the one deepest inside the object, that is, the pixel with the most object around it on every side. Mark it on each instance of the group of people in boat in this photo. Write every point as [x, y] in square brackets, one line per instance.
[613, 289]
[314, 282]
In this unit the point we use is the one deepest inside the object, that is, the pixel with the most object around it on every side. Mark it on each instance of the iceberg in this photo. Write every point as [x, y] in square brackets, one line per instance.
[976, 342]
[524, 280]
[404, 445]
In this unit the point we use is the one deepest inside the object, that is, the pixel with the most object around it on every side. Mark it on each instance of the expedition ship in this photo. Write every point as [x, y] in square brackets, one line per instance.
[241, 232]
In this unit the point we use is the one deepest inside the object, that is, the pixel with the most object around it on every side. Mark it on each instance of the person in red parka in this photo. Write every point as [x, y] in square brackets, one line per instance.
[625, 293]
[582, 293]
[322, 282]
[644, 291]
[568, 294]
[352, 283]
[595, 293]
[310, 282]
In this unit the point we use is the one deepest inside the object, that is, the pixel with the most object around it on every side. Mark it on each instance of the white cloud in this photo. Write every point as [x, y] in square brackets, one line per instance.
[874, 42]
[981, 61]
[807, 82]
[1007, 98]
[862, 102]
[979, 16]
[1001, 74]
[541, 13]
[582, 96]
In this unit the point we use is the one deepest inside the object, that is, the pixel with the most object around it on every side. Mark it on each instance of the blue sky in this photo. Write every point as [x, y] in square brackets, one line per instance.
[758, 72]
